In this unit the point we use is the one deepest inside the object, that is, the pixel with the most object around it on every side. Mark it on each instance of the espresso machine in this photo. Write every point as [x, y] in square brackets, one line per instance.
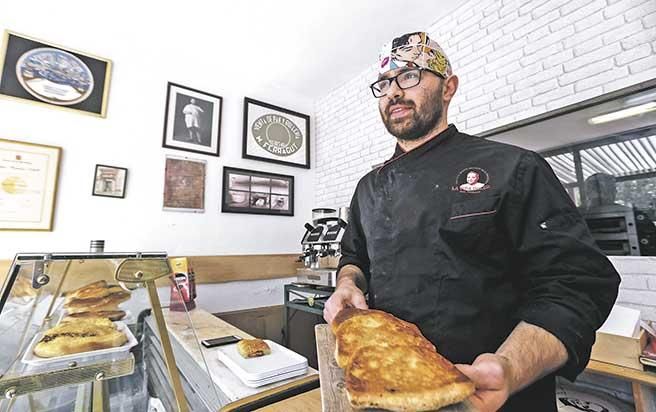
[321, 246]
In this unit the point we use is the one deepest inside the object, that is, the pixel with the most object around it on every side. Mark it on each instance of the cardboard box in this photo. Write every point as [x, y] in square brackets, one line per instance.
[619, 350]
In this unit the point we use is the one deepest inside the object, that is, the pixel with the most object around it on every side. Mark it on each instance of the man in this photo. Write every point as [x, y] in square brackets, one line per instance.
[192, 113]
[505, 280]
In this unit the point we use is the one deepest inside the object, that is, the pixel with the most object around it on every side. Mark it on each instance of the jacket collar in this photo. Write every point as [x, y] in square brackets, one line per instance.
[441, 138]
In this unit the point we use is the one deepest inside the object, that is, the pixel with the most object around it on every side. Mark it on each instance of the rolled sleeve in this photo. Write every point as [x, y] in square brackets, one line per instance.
[567, 285]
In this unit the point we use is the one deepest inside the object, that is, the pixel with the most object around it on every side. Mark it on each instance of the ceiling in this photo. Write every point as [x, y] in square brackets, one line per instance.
[306, 47]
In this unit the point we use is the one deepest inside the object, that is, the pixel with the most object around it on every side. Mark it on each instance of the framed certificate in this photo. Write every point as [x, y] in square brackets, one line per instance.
[28, 185]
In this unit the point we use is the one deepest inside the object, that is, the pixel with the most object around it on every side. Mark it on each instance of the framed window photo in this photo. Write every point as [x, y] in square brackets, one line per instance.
[184, 185]
[192, 120]
[261, 193]
[109, 181]
[28, 185]
[277, 135]
[41, 72]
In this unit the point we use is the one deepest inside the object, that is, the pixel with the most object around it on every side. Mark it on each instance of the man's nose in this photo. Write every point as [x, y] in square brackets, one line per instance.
[395, 91]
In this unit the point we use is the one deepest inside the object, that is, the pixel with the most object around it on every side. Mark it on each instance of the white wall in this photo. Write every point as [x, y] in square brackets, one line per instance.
[515, 59]
[145, 54]
[638, 287]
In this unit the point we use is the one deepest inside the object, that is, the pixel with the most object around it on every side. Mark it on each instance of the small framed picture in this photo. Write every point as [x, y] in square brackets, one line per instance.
[110, 181]
[40, 72]
[192, 120]
[184, 185]
[277, 135]
[262, 193]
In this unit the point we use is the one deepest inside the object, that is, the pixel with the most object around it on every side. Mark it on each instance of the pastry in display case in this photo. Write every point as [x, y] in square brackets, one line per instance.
[72, 332]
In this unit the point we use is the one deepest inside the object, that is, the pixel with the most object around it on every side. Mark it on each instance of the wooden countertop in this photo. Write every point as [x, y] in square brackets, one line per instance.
[306, 402]
[621, 372]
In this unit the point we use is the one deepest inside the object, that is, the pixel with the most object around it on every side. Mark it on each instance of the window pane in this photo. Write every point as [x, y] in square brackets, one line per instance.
[622, 158]
[563, 166]
[640, 194]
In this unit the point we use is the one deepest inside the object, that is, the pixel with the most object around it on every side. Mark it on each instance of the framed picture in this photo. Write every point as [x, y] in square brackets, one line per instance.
[192, 120]
[109, 181]
[28, 185]
[184, 185]
[41, 72]
[261, 193]
[277, 135]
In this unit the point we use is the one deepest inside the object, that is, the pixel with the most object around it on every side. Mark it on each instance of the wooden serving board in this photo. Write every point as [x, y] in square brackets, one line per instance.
[331, 376]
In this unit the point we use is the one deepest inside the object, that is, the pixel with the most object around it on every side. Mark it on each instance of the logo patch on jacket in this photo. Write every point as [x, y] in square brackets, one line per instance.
[472, 180]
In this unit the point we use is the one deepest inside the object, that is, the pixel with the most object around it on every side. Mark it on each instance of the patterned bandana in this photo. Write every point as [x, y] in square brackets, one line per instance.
[416, 48]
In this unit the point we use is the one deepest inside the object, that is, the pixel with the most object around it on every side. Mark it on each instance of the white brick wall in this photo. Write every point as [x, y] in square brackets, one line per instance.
[515, 59]
[638, 287]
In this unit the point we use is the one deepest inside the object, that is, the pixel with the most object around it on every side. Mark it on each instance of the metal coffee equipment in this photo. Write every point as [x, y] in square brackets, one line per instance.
[321, 246]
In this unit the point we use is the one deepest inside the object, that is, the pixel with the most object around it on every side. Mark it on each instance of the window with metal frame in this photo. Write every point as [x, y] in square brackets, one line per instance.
[630, 157]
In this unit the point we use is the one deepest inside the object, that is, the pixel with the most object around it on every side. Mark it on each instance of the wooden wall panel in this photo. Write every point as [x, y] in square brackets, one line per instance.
[208, 269]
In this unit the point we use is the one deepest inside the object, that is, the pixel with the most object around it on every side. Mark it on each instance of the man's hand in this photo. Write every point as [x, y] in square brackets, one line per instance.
[346, 294]
[492, 376]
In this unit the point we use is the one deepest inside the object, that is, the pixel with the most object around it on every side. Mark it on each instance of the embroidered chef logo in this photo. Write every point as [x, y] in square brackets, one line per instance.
[472, 180]
[277, 135]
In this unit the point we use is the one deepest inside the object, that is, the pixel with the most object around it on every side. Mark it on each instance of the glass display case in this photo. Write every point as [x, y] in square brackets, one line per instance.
[72, 332]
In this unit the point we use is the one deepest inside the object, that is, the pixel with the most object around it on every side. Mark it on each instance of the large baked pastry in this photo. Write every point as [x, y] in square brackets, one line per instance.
[112, 315]
[251, 348]
[83, 335]
[390, 365]
[22, 288]
[95, 298]
[108, 302]
[357, 328]
[404, 378]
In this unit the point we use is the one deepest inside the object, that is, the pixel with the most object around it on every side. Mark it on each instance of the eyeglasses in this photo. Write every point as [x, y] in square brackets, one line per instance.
[404, 80]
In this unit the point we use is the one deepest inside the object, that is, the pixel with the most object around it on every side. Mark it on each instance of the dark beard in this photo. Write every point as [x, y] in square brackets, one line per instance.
[420, 123]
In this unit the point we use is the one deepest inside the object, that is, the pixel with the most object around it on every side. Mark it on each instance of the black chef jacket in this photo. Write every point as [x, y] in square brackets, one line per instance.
[466, 261]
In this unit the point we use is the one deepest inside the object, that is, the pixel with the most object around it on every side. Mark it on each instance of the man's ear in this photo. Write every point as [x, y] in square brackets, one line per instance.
[450, 87]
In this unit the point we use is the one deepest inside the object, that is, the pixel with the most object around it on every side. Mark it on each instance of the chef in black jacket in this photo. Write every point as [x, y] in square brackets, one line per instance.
[474, 241]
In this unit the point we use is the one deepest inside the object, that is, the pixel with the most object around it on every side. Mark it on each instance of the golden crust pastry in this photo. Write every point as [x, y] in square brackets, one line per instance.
[251, 348]
[389, 364]
[404, 378]
[109, 302]
[22, 288]
[83, 335]
[96, 290]
[374, 328]
[73, 294]
[112, 315]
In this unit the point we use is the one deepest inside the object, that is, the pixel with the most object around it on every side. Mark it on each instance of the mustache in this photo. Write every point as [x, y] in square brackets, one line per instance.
[408, 103]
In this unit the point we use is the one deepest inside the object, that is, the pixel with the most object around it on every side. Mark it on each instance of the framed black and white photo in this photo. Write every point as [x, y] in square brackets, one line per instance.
[41, 72]
[262, 193]
[192, 120]
[109, 181]
[277, 135]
